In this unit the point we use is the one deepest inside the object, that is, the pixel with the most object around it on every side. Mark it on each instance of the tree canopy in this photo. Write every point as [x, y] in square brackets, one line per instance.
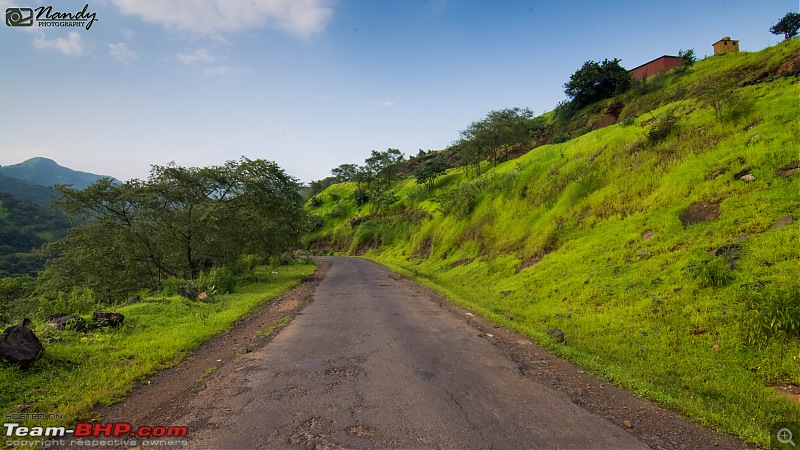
[427, 172]
[788, 26]
[177, 223]
[597, 81]
[494, 135]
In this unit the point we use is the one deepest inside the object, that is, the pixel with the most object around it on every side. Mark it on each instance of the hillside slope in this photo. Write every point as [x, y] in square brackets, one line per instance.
[665, 247]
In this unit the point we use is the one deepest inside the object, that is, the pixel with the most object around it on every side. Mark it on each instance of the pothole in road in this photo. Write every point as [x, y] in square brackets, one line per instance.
[360, 431]
[342, 372]
[426, 375]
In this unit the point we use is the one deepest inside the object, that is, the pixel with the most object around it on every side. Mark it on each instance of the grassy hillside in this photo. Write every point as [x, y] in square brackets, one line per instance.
[587, 236]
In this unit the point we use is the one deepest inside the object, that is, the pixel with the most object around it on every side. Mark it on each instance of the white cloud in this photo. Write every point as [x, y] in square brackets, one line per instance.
[122, 53]
[199, 55]
[302, 18]
[72, 45]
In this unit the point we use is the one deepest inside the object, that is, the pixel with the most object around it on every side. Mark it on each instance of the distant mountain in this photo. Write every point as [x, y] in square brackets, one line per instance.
[24, 190]
[46, 172]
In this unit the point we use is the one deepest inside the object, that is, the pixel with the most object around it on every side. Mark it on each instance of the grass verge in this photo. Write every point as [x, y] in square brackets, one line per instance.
[78, 371]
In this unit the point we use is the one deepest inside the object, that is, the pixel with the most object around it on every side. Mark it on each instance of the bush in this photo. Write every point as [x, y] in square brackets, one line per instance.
[220, 278]
[246, 263]
[662, 127]
[712, 272]
[771, 312]
[461, 201]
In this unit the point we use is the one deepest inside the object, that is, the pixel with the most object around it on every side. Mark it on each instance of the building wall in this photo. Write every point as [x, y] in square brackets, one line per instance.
[726, 45]
[656, 66]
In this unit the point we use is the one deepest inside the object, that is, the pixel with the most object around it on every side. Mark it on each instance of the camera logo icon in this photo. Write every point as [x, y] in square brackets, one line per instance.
[19, 17]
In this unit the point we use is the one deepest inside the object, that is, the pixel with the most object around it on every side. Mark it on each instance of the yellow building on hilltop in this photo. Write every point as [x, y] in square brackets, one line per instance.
[726, 45]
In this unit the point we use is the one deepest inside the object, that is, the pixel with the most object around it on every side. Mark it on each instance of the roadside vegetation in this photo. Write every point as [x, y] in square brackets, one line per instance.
[180, 256]
[80, 370]
[655, 226]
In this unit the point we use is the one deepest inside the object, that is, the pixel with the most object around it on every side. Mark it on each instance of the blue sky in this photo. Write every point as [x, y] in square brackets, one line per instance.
[312, 84]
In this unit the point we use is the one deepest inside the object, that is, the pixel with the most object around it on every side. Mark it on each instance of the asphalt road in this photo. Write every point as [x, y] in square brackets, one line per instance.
[373, 363]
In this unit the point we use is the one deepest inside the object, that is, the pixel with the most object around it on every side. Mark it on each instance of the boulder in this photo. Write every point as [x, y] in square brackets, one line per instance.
[557, 334]
[785, 221]
[699, 212]
[101, 319]
[61, 321]
[19, 345]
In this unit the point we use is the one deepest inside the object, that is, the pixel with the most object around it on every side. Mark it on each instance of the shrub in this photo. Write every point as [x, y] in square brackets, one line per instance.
[221, 278]
[662, 127]
[461, 201]
[770, 312]
[712, 272]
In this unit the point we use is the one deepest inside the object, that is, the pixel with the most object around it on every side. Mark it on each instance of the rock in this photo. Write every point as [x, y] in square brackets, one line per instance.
[102, 319]
[789, 68]
[505, 293]
[647, 235]
[557, 335]
[738, 175]
[699, 212]
[626, 423]
[19, 345]
[133, 300]
[715, 174]
[785, 221]
[63, 321]
[791, 169]
[188, 291]
[748, 177]
[728, 251]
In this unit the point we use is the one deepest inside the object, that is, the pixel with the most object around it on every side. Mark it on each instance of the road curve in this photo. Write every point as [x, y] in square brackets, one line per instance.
[373, 363]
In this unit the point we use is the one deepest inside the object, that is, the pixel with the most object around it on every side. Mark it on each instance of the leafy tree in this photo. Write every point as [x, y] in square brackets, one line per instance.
[427, 172]
[494, 135]
[177, 223]
[596, 81]
[345, 172]
[788, 26]
[383, 167]
[688, 58]
[317, 186]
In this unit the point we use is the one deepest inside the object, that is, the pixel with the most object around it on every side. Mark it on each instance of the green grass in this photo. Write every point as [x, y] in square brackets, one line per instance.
[79, 371]
[561, 229]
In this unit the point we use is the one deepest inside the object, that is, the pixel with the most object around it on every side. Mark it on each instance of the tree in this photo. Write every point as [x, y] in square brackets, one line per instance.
[788, 26]
[382, 167]
[178, 222]
[427, 172]
[688, 58]
[494, 135]
[597, 81]
[345, 172]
